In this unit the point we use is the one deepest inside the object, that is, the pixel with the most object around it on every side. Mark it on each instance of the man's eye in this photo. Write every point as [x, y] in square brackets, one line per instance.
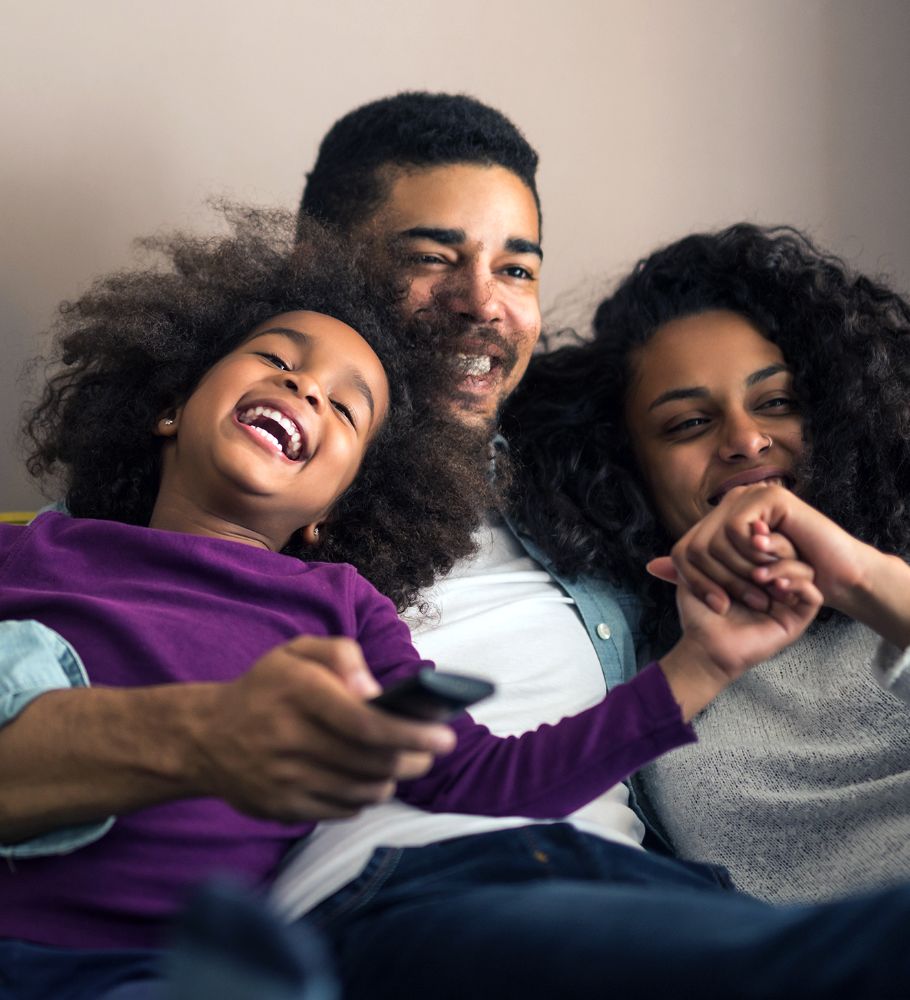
[517, 271]
[427, 258]
[345, 411]
[274, 359]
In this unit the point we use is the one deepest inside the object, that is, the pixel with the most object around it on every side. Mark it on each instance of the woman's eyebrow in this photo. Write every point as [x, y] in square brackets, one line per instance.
[700, 391]
[764, 373]
[695, 391]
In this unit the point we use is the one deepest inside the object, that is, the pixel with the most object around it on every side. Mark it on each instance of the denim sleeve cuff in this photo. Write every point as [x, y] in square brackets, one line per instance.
[33, 660]
[891, 667]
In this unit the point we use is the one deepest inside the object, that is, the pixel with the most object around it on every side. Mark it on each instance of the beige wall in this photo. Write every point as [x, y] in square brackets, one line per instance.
[652, 118]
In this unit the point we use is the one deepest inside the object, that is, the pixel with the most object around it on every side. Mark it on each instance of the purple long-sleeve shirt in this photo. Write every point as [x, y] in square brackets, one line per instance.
[144, 607]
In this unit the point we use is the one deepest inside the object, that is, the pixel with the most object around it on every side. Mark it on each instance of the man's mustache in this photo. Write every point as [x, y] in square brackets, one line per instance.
[480, 339]
[454, 334]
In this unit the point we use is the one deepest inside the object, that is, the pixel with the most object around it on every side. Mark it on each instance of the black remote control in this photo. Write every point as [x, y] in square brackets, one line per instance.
[432, 695]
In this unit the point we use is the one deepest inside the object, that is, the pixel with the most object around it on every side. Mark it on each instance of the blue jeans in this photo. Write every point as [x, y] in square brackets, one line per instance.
[226, 946]
[33, 971]
[546, 911]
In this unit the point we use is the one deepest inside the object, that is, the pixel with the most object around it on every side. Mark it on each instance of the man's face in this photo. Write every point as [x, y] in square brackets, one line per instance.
[471, 243]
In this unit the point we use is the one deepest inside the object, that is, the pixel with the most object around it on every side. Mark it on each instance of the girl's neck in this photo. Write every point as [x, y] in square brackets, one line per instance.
[174, 513]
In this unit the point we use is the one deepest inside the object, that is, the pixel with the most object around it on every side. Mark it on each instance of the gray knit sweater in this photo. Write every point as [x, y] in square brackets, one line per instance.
[800, 781]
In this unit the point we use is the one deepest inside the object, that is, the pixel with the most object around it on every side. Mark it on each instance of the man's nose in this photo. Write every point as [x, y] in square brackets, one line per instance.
[472, 294]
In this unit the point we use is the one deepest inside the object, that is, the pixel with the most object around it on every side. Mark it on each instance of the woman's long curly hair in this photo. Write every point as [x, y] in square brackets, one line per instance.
[139, 341]
[580, 493]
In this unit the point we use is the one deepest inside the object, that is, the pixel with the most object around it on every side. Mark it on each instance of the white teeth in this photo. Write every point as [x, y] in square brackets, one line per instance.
[475, 364]
[293, 444]
[272, 440]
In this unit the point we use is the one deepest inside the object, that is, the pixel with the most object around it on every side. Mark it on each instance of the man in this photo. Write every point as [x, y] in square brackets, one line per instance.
[437, 905]
[567, 909]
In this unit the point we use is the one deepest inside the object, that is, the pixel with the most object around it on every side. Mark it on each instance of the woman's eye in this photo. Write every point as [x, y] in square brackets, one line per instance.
[779, 403]
[692, 423]
[345, 411]
[274, 359]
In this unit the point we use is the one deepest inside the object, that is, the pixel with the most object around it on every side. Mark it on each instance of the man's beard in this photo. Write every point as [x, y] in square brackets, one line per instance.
[476, 358]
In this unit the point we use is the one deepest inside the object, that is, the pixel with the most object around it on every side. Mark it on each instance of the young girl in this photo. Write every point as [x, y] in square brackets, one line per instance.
[212, 421]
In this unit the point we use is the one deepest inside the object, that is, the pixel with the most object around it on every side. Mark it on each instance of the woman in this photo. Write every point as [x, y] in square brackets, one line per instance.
[722, 362]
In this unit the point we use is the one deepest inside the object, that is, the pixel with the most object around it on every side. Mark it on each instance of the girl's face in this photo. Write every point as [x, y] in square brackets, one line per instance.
[711, 406]
[278, 428]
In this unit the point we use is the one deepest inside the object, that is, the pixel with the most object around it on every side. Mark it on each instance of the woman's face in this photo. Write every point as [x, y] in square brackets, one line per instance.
[710, 407]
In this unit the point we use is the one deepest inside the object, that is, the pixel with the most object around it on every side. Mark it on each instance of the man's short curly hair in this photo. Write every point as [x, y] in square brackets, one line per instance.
[139, 341]
[845, 336]
[411, 129]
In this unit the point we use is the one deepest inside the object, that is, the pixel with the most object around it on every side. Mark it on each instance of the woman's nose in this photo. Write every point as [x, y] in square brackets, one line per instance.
[745, 439]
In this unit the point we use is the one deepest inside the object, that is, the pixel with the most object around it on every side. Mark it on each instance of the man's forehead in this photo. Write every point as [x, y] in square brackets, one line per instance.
[459, 202]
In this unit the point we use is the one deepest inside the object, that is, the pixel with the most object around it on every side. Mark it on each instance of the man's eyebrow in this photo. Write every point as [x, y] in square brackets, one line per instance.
[447, 237]
[454, 237]
[517, 245]
[354, 375]
[700, 391]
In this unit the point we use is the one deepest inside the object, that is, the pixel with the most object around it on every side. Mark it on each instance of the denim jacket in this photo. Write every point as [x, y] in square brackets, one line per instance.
[612, 619]
[33, 660]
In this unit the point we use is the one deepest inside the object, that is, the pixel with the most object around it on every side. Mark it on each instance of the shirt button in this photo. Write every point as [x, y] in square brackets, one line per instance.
[603, 631]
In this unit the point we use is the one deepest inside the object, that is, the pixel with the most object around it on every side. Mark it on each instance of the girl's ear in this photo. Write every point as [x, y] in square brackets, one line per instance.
[167, 424]
[311, 534]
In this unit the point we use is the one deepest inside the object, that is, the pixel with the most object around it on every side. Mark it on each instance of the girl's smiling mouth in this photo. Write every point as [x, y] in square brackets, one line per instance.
[276, 428]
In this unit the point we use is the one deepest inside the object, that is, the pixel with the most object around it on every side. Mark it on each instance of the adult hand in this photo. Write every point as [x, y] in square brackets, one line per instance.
[293, 739]
[733, 552]
[718, 647]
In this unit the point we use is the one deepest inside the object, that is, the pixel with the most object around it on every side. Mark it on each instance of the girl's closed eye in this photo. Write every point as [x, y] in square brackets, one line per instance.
[345, 411]
[275, 359]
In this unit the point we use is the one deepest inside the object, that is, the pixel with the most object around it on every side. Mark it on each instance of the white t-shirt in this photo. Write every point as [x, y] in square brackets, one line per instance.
[500, 616]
